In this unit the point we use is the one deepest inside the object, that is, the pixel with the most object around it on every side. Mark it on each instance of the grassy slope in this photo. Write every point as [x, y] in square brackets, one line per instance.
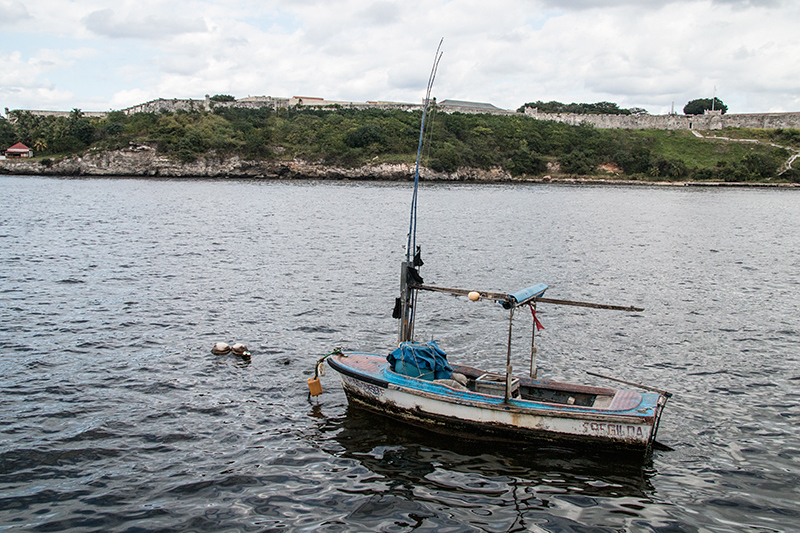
[703, 152]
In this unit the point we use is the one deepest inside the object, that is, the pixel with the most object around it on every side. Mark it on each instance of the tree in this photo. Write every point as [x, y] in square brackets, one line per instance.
[222, 98]
[446, 159]
[760, 166]
[698, 106]
[365, 135]
[7, 134]
[598, 108]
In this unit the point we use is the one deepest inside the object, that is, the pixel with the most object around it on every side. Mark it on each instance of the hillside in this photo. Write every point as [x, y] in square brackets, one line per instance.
[346, 143]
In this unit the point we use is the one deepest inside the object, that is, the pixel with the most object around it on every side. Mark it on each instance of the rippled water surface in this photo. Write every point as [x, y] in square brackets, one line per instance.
[115, 416]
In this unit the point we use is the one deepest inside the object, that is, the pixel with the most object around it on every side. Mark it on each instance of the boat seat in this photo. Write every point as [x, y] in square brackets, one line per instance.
[461, 378]
[453, 384]
[495, 384]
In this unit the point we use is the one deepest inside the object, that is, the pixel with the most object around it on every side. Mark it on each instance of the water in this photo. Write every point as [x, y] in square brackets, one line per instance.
[115, 416]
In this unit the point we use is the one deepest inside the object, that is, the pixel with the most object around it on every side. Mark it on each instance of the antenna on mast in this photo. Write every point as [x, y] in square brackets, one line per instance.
[412, 230]
[409, 273]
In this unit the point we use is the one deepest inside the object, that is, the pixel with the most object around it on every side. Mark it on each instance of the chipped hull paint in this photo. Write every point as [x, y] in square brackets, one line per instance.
[369, 382]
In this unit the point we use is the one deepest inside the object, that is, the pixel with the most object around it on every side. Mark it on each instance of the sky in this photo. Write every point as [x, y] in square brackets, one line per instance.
[100, 55]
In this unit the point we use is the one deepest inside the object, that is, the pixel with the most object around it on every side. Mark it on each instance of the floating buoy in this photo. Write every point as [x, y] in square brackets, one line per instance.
[314, 386]
[474, 296]
[220, 349]
[240, 349]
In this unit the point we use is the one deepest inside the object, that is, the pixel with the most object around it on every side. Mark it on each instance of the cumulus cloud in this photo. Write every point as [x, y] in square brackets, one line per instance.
[569, 5]
[140, 25]
[638, 53]
[23, 85]
[381, 13]
[12, 13]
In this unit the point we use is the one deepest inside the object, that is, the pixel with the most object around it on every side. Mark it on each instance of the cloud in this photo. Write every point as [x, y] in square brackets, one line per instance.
[573, 5]
[381, 13]
[12, 13]
[128, 98]
[139, 25]
[638, 53]
[22, 84]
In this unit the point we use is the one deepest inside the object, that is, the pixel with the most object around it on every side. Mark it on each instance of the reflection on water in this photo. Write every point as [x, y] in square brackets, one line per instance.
[414, 472]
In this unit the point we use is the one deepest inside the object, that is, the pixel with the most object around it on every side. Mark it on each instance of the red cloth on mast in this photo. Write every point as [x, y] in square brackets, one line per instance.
[539, 326]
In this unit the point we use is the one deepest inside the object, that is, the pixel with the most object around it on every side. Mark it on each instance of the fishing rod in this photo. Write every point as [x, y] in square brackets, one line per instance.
[412, 227]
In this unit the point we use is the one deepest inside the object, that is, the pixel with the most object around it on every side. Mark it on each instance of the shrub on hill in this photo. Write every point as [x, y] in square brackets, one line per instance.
[699, 106]
[599, 108]
[350, 137]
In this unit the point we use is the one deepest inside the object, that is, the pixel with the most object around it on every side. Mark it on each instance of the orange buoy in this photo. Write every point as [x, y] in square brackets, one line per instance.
[314, 386]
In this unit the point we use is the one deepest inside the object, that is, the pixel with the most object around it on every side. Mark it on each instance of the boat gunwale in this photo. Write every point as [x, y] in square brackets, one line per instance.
[489, 401]
[513, 406]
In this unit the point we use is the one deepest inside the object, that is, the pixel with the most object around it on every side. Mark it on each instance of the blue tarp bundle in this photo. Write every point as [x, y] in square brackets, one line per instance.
[525, 294]
[417, 360]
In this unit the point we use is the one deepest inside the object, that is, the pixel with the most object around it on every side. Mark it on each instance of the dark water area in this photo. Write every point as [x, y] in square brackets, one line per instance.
[115, 416]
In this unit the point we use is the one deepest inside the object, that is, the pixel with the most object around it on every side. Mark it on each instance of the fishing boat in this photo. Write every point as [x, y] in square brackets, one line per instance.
[416, 384]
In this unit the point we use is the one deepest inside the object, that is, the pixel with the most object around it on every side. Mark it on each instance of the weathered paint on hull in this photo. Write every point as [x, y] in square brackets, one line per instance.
[514, 420]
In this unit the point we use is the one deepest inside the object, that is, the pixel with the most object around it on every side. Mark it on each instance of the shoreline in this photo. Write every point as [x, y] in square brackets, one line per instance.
[143, 162]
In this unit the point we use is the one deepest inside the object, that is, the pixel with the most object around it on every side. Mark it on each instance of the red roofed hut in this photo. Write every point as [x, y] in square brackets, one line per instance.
[19, 150]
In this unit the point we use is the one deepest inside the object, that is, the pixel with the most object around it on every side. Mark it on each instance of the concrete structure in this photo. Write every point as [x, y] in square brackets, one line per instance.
[45, 113]
[711, 120]
[461, 106]
[162, 105]
[254, 102]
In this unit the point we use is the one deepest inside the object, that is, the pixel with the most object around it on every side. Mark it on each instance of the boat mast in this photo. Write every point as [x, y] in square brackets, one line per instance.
[409, 272]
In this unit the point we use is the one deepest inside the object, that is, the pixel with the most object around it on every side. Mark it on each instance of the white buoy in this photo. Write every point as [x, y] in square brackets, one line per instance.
[474, 296]
[240, 349]
[220, 349]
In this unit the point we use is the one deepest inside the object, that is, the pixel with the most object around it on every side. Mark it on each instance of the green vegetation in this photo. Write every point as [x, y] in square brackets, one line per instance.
[346, 137]
[599, 108]
[699, 106]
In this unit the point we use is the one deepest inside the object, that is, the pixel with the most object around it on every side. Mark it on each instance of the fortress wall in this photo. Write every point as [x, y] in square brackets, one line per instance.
[256, 102]
[710, 121]
[161, 105]
[472, 110]
[65, 114]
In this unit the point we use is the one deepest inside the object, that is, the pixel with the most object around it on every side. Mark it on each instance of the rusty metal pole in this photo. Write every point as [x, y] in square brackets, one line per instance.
[534, 370]
[509, 369]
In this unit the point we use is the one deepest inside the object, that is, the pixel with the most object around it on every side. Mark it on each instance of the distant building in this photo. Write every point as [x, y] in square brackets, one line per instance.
[469, 105]
[65, 114]
[310, 100]
[19, 150]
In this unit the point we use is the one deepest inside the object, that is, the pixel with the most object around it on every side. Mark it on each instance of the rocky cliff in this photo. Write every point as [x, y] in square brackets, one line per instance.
[143, 161]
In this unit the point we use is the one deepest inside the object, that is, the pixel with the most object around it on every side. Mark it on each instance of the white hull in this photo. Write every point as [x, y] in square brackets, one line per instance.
[514, 419]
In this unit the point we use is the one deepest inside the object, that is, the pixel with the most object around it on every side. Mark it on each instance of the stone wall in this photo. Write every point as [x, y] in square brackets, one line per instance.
[257, 102]
[65, 114]
[710, 121]
[160, 105]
